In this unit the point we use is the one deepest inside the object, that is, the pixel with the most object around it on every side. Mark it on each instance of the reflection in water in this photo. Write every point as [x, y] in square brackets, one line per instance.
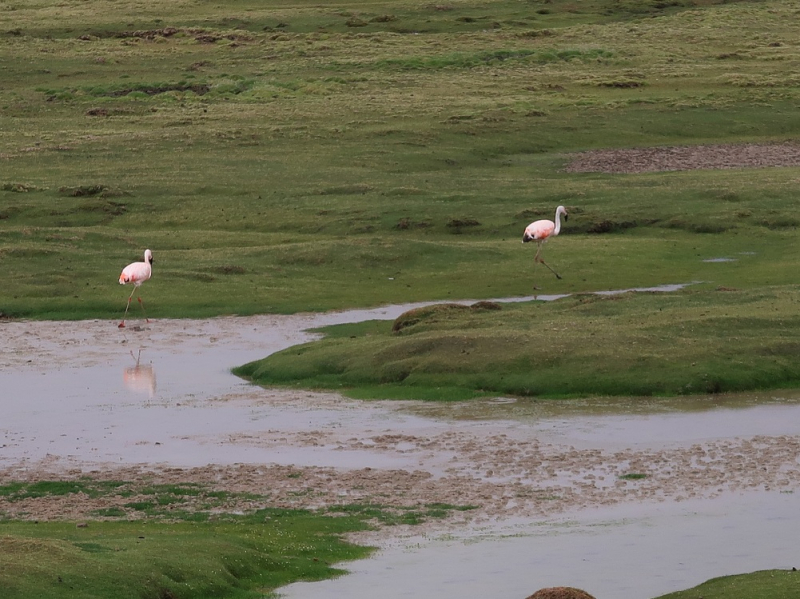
[140, 378]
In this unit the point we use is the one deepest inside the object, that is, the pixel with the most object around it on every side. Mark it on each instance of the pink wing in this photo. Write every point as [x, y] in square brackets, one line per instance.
[541, 229]
[137, 272]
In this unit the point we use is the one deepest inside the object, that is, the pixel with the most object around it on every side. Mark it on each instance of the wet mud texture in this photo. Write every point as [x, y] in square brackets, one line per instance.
[501, 476]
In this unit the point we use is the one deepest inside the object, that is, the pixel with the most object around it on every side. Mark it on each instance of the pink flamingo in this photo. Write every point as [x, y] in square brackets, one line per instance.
[136, 273]
[540, 231]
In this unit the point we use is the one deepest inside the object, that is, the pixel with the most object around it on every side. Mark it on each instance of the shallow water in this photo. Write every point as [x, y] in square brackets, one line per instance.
[626, 552]
[635, 422]
[76, 390]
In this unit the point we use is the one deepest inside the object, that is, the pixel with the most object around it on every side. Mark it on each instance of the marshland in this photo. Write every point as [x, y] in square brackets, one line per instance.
[334, 196]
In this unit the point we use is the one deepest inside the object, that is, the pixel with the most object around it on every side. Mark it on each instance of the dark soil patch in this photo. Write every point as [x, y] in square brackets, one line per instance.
[82, 190]
[230, 269]
[608, 226]
[148, 34]
[431, 313]
[457, 225]
[681, 158]
[406, 223]
[561, 593]
[153, 90]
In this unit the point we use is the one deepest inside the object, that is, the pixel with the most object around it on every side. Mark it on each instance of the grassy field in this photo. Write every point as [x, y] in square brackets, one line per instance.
[296, 157]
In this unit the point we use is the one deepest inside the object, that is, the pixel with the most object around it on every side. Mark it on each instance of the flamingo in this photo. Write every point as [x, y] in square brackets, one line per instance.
[540, 231]
[136, 273]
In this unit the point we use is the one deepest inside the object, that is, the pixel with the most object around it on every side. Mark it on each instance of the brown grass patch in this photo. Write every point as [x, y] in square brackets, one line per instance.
[681, 158]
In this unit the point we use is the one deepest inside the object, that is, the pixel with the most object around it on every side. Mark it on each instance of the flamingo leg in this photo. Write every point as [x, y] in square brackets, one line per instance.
[558, 276]
[130, 297]
[141, 303]
[536, 260]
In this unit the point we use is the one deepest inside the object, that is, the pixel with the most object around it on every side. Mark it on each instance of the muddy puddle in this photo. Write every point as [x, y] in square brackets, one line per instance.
[627, 498]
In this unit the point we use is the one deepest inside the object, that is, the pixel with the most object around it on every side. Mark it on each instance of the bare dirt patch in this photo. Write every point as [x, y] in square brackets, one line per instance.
[561, 593]
[682, 158]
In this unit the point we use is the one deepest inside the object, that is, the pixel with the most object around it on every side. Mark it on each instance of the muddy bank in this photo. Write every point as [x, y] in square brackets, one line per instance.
[502, 476]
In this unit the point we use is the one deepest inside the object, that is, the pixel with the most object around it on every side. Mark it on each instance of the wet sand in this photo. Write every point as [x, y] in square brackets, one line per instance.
[76, 403]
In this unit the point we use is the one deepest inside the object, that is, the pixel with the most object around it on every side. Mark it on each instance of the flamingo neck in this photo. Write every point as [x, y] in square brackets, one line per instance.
[558, 223]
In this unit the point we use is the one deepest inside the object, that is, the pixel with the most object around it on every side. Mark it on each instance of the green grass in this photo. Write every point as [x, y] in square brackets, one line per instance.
[180, 540]
[298, 157]
[766, 584]
[192, 502]
[708, 340]
[408, 516]
[245, 557]
[46, 488]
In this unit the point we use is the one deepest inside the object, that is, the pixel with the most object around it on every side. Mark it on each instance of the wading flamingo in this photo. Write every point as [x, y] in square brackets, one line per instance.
[136, 273]
[540, 231]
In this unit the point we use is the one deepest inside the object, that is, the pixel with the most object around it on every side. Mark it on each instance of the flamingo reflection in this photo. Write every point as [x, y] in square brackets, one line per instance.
[140, 378]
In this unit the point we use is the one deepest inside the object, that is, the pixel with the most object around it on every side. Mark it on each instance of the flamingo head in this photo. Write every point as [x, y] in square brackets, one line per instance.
[148, 256]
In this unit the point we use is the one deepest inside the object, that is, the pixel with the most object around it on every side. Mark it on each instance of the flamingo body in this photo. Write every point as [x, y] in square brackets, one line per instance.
[136, 273]
[540, 231]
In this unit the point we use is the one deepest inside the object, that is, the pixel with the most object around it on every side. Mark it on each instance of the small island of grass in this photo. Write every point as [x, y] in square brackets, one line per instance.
[647, 344]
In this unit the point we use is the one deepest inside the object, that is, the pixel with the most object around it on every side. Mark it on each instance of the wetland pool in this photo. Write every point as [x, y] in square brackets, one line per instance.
[719, 497]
